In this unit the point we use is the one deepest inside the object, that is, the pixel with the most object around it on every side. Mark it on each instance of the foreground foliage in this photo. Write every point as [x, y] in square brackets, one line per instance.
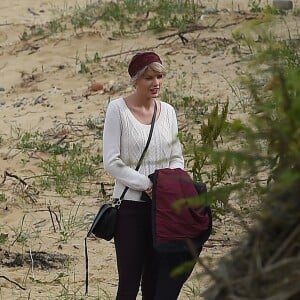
[266, 264]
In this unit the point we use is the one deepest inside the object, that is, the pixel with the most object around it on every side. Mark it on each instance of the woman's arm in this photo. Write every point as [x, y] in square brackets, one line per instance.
[177, 160]
[112, 161]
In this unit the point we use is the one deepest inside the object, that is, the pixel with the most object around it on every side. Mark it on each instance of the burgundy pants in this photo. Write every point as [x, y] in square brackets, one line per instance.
[138, 263]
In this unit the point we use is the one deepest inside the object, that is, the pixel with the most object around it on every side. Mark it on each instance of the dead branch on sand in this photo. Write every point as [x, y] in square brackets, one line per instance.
[189, 30]
[203, 27]
[13, 282]
[22, 181]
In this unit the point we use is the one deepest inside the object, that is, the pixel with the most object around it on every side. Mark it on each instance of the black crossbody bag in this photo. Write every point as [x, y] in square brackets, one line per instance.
[104, 224]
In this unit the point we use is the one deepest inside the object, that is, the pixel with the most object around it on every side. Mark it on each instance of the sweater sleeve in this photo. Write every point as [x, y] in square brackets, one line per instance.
[112, 161]
[176, 160]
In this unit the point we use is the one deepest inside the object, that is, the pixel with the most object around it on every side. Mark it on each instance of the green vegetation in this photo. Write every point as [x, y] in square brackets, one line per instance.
[256, 158]
[123, 17]
[70, 166]
[53, 27]
[131, 14]
[3, 238]
[255, 6]
[37, 141]
[56, 26]
[268, 162]
[266, 143]
[69, 174]
[84, 68]
[71, 224]
[3, 197]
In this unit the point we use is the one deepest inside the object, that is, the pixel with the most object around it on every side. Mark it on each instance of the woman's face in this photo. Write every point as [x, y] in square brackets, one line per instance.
[149, 84]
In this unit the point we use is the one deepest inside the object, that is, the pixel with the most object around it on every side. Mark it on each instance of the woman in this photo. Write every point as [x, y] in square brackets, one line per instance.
[126, 129]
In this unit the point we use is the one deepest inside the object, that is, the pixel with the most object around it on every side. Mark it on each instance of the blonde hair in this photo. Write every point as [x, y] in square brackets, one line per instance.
[155, 66]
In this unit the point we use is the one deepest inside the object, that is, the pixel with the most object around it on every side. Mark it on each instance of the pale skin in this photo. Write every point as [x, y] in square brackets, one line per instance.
[141, 102]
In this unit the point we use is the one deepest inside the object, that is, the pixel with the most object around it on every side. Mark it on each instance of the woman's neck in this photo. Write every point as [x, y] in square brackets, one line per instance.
[137, 101]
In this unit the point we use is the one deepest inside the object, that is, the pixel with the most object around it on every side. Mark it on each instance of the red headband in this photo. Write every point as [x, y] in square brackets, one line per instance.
[141, 60]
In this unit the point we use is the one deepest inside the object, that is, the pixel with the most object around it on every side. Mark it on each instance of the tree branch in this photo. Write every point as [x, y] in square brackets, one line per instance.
[14, 282]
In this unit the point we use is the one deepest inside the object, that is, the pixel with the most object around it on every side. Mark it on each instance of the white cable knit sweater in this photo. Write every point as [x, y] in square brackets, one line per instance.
[124, 139]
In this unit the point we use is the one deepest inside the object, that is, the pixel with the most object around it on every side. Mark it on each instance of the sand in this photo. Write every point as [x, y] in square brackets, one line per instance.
[42, 90]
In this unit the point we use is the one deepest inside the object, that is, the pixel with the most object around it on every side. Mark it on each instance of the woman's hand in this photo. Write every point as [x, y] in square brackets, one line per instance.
[148, 191]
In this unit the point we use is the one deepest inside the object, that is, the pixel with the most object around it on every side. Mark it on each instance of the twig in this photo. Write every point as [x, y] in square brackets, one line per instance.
[218, 240]
[192, 29]
[233, 62]
[32, 12]
[247, 18]
[211, 245]
[131, 51]
[14, 282]
[262, 273]
[195, 28]
[22, 181]
[284, 245]
[14, 176]
[183, 39]
[26, 276]
[61, 139]
[50, 212]
[57, 219]
[32, 264]
[127, 52]
[102, 188]
[202, 27]
[19, 234]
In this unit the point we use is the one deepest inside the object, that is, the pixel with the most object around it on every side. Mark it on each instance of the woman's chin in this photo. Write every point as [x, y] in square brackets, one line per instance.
[154, 95]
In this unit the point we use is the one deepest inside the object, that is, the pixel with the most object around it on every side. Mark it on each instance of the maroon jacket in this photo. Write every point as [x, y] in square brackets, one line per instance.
[171, 226]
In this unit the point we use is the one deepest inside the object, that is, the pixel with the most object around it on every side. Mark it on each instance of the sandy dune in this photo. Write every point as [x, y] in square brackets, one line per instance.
[42, 90]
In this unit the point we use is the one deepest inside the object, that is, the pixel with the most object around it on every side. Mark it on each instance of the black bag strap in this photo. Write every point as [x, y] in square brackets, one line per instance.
[122, 196]
[146, 147]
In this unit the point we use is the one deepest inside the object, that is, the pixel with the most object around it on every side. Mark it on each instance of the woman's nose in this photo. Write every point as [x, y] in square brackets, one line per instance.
[156, 81]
